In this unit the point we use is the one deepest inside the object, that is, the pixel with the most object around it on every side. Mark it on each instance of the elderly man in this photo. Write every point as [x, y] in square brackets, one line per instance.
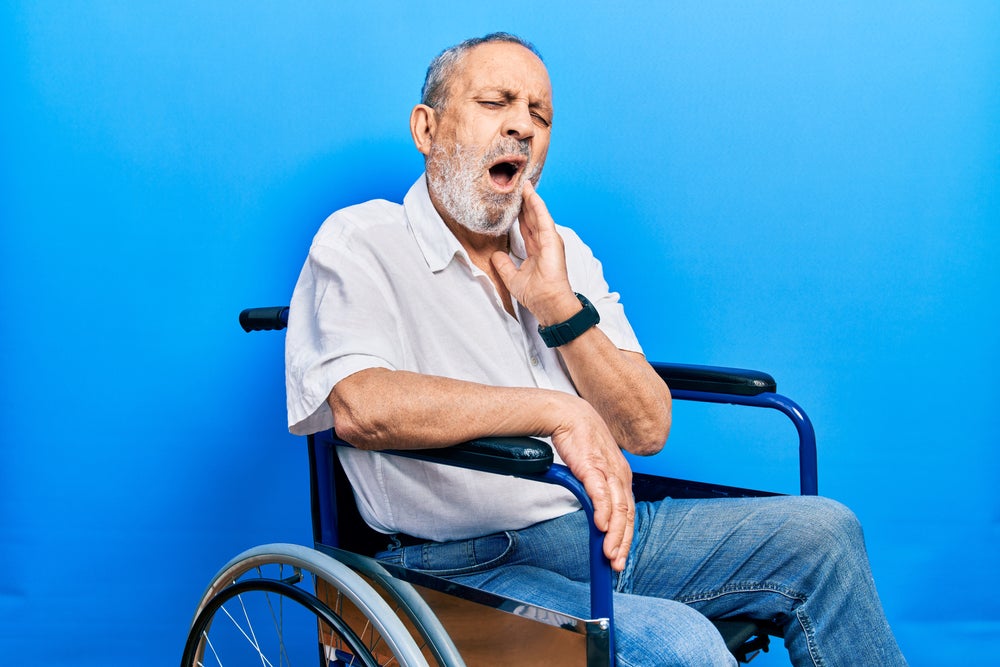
[432, 323]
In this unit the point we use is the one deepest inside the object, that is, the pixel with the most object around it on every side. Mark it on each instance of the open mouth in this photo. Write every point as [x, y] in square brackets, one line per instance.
[504, 172]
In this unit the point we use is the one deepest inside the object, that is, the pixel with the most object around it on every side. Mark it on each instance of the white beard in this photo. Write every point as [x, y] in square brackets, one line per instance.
[455, 178]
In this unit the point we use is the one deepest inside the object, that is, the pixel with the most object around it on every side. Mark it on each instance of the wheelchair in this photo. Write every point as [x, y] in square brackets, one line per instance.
[284, 604]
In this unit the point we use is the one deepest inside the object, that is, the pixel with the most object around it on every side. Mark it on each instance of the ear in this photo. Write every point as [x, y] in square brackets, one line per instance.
[423, 126]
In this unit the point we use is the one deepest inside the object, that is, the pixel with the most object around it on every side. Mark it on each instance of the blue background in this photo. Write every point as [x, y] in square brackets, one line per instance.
[812, 189]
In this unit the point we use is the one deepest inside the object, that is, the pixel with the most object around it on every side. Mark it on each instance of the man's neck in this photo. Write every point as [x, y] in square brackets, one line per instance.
[480, 247]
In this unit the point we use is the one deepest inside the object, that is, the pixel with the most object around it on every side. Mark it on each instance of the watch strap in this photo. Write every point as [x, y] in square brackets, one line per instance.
[564, 332]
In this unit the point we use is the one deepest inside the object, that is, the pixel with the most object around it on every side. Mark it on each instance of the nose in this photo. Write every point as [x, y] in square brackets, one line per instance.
[518, 123]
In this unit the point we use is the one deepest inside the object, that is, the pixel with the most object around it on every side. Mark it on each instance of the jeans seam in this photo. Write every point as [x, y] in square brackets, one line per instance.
[732, 589]
[807, 629]
[800, 615]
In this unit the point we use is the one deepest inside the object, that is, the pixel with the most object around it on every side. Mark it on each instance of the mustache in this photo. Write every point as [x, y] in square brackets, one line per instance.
[507, 146]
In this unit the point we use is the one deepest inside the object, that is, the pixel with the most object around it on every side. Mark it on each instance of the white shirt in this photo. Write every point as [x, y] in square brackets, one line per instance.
[389, 286]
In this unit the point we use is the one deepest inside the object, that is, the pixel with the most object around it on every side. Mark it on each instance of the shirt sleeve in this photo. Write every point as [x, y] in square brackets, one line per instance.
[586, 276]
[340, 322]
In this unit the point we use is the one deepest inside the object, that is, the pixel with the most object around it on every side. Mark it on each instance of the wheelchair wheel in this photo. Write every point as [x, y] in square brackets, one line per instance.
[285, 604]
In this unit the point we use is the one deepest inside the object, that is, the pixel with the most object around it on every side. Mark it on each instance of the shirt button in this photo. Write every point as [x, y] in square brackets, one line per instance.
[534, 361]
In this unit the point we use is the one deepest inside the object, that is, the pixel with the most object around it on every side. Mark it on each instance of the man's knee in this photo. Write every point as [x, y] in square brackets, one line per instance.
[830, 525]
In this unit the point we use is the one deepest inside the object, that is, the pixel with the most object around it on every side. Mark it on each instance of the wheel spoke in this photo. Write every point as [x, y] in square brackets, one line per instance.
[251, 640]
[208, 641]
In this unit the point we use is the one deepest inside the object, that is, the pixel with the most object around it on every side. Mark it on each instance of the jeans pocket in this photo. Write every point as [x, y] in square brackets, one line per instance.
[450, 559]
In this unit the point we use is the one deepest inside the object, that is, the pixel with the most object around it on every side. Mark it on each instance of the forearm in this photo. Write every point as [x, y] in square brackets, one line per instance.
[623, 388]
[384, 409]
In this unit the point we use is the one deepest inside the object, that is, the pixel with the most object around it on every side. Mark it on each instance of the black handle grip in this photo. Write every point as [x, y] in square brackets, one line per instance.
[273, 318]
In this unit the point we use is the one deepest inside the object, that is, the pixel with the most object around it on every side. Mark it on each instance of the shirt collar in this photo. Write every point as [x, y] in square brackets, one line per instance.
[517, 242]
[438, 245]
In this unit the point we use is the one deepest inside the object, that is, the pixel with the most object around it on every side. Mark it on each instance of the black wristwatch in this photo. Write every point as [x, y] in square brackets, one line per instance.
[564, 332]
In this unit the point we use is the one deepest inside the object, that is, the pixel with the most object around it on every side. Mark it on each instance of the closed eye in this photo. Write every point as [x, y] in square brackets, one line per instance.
[539, 117]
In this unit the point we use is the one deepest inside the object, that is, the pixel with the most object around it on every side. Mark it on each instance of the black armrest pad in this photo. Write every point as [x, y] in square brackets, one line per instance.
[506, 456]
[736, 381]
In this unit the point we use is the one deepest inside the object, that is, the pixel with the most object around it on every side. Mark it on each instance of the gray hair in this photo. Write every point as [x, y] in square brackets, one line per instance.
[435, 91]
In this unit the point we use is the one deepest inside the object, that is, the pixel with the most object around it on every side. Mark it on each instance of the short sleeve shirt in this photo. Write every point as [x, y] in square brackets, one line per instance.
[389, 286]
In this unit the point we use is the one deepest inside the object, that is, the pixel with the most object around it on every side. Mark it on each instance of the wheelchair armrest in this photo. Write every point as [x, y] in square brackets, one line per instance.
[521, 456]
[505, 456]
[712, 384]
[716, 380]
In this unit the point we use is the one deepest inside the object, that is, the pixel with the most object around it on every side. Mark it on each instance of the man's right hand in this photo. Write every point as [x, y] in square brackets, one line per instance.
[592, 455]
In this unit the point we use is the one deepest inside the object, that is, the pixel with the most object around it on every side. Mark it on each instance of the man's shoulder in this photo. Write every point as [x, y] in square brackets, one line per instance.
[361, 220]
[367, 214]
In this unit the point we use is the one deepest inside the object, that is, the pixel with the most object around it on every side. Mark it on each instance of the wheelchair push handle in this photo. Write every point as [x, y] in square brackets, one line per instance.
[272, 318]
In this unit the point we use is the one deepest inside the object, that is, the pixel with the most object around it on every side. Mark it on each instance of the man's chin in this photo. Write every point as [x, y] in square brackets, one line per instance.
[501, 221]
[492, 227]
[495, 224]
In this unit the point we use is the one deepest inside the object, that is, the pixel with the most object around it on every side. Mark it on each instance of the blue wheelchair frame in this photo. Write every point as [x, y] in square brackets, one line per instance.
[532, 459]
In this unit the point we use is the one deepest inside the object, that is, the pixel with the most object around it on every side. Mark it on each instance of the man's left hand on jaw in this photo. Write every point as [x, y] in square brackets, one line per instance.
[540, 284]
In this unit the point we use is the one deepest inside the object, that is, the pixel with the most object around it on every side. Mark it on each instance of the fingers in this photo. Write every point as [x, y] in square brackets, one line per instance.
[534, 213]
[614, 514]
[529, 218]
[618, 537]
[616, 519]
[505, 268]
[595, 459]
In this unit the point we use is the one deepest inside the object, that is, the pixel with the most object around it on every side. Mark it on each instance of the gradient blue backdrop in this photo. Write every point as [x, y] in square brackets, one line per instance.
[812, 189]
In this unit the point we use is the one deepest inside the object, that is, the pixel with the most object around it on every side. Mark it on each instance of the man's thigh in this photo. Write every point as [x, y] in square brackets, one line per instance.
[733, 556]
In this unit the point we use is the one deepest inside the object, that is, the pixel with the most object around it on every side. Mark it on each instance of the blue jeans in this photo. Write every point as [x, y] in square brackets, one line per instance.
[799, 561]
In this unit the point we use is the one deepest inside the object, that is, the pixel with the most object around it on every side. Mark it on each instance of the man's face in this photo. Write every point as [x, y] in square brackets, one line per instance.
[492, 134]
